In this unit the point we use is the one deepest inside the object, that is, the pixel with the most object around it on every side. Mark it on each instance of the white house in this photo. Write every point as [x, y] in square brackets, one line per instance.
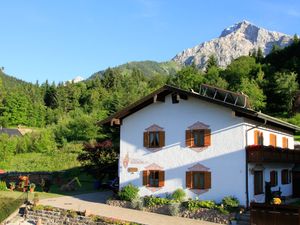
[211, 144]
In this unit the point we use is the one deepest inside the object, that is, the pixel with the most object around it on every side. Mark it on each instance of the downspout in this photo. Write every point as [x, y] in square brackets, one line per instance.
[247, 182]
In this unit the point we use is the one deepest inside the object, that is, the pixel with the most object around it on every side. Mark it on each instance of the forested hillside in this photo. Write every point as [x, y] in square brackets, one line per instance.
[64, 114]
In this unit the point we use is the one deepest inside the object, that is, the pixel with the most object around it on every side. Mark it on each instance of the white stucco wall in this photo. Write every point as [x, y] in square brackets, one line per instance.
[287, 189]
[225, 157]
[266, 134]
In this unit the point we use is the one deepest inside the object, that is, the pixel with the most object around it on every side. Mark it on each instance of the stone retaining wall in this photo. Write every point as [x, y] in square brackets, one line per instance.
[57, 218]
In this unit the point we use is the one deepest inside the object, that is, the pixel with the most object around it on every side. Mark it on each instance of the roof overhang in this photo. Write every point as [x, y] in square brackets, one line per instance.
[178, 94]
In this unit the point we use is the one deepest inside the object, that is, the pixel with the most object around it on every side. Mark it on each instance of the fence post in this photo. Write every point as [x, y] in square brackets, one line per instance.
[299, 216]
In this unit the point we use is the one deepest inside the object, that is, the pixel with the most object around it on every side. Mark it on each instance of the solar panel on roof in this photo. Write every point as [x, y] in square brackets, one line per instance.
[225, 96]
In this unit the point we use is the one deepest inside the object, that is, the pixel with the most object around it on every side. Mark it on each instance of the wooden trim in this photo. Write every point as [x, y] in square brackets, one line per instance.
[188, 138]
[146, 178]
[146, 139]
[273, 140]
[161, 136]
[256, 135]
[207, 180]
[207, 137]
[161, 178]
[188, 179]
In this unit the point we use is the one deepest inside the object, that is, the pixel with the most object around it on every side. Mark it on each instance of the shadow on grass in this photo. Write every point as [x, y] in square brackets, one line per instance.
[72, 182]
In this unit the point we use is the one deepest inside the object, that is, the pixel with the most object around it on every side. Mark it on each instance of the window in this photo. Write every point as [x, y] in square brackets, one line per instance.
[154, 139]
[258, 137]
[153, 178]
[285, 176]
[198, 138]
[273, 140]
[273, 178]
[285, 142]
[198, 179]
[258, 182]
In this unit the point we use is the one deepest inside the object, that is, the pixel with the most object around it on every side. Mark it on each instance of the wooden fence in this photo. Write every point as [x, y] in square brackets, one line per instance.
[266, 214]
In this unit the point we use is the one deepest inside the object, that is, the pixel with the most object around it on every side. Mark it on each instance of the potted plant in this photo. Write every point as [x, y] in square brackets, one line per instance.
[12, 186]
[32, 187]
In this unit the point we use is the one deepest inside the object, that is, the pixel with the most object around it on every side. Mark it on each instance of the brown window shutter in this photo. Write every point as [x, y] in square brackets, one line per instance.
[207, 180]
[284, 142]
[161, 138]
[188, 138]
[188, 179]
[145, 178]
[146, 139]
[207, 137]
[273, 140]
[161, 178]
[256, 135]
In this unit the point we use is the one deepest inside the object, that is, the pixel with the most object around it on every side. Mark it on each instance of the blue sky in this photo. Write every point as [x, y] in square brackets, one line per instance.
[61, 39]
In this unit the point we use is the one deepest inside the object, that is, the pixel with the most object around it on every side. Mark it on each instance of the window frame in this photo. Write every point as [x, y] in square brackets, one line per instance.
[285, 142]
[147, 177]
[206, 175]
[275, 178]
[189, 138]
[258, 137]
[201, 135]
[258, 190]
[156, 135]
[285, 177]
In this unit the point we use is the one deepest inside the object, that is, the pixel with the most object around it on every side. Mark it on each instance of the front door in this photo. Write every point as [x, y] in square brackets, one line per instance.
[296, 184]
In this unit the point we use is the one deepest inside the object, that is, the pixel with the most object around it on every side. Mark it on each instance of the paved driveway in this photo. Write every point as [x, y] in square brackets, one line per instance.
[94, 203]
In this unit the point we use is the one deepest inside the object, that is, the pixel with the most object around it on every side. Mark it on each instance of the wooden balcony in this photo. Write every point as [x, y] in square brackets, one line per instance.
[270, 154]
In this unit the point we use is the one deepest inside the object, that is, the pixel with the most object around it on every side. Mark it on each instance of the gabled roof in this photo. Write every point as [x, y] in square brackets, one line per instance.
[10, 131]
[177, 94]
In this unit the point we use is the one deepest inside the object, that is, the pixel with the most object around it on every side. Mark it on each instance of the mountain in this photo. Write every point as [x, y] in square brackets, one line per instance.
[235, 41]
[147, 67]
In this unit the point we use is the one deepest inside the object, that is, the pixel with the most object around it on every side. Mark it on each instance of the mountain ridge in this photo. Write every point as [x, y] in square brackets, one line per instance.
[234, 41]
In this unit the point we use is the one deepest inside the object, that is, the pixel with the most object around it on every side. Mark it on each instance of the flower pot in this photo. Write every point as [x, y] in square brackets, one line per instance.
[31, 190]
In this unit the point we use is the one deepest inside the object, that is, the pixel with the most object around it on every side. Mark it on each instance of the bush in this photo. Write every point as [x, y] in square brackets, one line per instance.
[178, 195]
[193, 205]
[3, 186]
[137, 203]
[129, 192]
[153, 201]
[174, 208]
[230, 203]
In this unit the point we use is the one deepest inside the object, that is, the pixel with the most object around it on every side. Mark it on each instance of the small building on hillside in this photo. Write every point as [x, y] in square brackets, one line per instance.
[211, 144]
[10, 131]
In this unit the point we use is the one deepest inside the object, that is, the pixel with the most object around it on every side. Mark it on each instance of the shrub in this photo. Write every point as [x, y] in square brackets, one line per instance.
[196, 204]
[153, 201]
[178, 195]
[129, 192]
[230, 203]
[137, 203]
[174, 208]
[3, 186]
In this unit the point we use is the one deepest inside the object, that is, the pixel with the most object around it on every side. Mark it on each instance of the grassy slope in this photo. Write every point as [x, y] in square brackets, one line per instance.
[41, 162]
[147, 67]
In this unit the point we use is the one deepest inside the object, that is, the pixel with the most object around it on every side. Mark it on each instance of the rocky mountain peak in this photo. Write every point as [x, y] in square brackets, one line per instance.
[234, 41]
[239, 27]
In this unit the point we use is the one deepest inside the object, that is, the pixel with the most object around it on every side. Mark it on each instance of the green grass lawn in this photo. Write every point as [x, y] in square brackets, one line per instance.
[29, 162]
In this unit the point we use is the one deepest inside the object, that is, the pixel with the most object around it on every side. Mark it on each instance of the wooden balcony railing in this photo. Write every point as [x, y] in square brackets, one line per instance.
[270, 154]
